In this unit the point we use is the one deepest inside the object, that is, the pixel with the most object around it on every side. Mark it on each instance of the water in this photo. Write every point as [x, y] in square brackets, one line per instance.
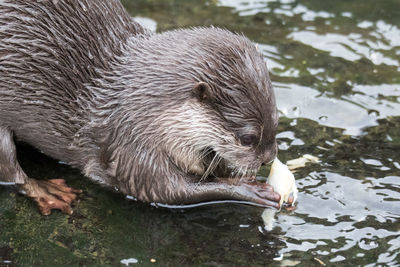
[336, 71]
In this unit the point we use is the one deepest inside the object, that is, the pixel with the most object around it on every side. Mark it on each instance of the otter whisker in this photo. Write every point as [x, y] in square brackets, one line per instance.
[205, 153]
[214, 163]
[238, 171]
[237, 177]
[243, 174]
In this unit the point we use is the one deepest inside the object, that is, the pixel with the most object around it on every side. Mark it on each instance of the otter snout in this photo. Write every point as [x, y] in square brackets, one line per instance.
[270, 154]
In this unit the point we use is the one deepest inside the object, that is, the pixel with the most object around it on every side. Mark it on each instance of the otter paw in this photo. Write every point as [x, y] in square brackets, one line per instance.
[51, 194]
[289, 205]
[262, 193]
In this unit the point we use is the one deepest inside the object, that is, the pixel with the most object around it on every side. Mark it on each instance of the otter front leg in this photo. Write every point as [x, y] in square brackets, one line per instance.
[253, 192]
[52, 194]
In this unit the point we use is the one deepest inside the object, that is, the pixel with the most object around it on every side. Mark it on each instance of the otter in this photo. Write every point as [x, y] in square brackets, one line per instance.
[179, 117]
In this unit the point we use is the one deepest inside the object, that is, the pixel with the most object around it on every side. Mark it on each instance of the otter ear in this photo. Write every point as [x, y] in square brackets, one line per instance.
[202, 91]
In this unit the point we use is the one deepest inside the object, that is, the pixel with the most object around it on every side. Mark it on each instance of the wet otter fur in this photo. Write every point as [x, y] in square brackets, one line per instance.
[178, 117]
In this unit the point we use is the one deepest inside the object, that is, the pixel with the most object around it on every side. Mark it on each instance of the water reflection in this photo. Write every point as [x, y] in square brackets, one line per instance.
[351, 112]
[351, 201]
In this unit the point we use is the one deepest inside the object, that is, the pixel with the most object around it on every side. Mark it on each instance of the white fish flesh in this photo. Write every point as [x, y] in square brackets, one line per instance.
[282, 180]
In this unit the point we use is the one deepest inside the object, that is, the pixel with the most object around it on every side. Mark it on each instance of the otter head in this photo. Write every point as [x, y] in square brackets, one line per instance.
[230, 129]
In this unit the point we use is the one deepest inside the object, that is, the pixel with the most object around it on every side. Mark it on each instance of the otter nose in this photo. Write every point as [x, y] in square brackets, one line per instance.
[270, 154]
[267, 162]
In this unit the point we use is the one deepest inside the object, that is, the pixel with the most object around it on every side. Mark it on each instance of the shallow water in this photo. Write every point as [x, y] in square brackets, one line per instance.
[335, 67]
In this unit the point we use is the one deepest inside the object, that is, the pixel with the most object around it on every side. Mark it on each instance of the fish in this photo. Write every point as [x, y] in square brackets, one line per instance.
[283, 182]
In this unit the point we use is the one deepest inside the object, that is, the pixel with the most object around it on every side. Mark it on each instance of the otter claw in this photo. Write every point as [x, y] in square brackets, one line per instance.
[51, 194]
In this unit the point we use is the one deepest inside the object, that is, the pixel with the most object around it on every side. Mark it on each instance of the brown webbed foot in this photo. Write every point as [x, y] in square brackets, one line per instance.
[248, 189]
[261, 193]
[51, 194]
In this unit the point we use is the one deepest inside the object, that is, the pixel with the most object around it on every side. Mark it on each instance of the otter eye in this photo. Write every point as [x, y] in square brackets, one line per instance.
[248, 139]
